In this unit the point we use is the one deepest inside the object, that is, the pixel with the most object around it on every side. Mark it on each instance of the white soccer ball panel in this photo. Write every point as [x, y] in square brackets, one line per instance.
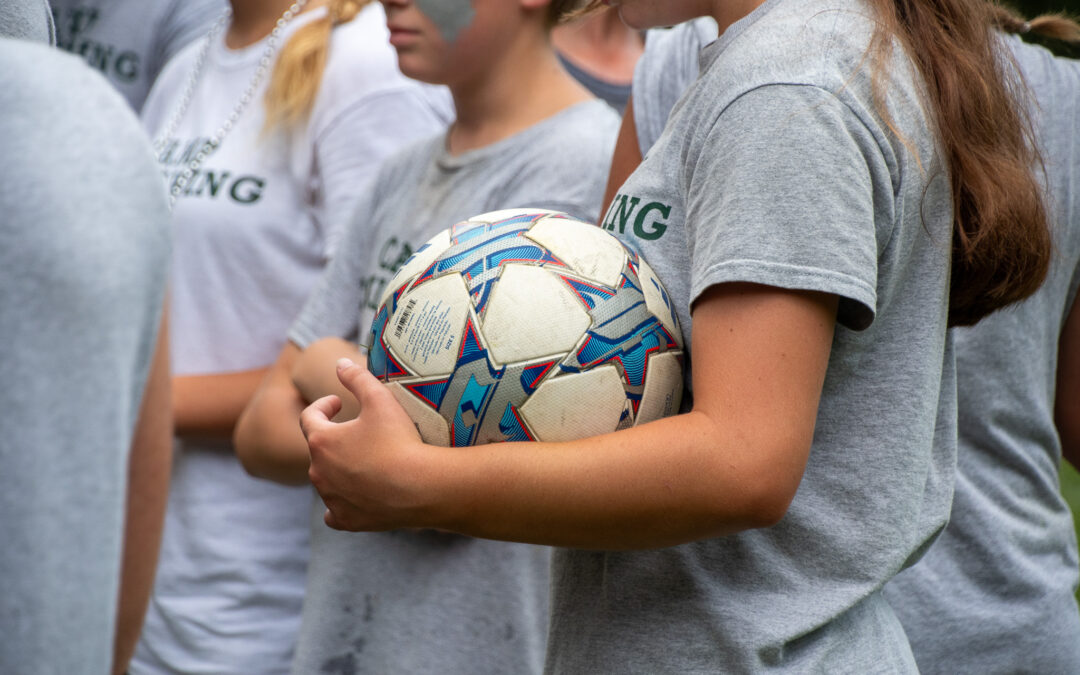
[506, 214]
[663, 388]
[590, 251]
[424, 334]
[431, 425]
[654, 300]
[532, 313]
[575, 406]
[418, 263]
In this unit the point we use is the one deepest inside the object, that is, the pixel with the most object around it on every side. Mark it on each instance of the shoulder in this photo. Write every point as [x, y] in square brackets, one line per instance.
[405, 166]
[65, 123]
[361, 57]
[563, 162]
[184, 12]
[166, 85]
[1052, 81]
[569, 151]
[53, 95]
[35, 73]
[819, 45]
[582, 132]
[818, 42]
[28, 20]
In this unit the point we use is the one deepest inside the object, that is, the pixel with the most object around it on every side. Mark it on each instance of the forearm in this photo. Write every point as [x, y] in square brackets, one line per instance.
[210, 405]
[268, 439]
[315, 374]
[148, 487]
[735, 462]
[665, 483]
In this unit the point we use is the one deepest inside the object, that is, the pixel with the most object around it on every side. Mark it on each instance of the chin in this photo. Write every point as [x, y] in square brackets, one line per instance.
[421, 72]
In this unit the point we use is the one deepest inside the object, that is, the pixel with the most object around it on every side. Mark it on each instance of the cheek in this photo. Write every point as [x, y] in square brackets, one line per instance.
[449, 16]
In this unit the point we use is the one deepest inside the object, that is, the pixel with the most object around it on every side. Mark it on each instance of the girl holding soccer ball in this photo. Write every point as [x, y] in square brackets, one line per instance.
[526, 135]
[846, 179]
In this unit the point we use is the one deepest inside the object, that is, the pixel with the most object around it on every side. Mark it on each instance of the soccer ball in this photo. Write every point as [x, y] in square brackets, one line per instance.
[523, 325]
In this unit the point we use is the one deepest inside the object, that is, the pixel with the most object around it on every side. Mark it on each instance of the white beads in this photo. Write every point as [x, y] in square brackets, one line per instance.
[212, 144]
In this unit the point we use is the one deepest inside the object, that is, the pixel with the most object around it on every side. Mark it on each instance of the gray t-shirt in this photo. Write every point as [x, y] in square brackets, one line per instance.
[130, 41]
[995, 594]
[664, 72]
[775, 168]
[84, 256]
[27, 20]
[408, 602]
[1009, 554]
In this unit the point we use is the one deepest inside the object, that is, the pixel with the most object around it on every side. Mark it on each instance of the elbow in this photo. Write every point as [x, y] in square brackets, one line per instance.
[266, 456]
[766, 505]
[769, 485]
[246, 445]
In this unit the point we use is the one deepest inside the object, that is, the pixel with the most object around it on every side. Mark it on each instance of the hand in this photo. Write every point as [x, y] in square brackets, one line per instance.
[369, 471]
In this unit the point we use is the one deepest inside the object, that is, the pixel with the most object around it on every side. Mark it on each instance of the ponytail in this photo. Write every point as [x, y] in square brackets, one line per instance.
[1053, 26]
[300, 64]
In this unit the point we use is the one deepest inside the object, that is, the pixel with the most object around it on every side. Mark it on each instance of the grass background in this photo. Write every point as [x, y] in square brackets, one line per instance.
[1070, 487]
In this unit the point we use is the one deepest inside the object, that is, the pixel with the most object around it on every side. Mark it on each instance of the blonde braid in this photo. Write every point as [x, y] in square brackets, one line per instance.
[300, 64]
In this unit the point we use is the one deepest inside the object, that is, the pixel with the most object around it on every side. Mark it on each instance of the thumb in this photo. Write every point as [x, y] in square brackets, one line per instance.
[356, 379]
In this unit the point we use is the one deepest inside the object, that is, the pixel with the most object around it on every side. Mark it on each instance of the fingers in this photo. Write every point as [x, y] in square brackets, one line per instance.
[318, 414]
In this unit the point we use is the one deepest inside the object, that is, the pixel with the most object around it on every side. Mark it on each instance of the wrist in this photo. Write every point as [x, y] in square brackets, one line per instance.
[436, 486]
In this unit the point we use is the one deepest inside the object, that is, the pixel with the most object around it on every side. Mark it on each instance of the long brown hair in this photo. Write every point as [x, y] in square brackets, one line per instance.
[976, 98]
[1001, 245]
[300, 64]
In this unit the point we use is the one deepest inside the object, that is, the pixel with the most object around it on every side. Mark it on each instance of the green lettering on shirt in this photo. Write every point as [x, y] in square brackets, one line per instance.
[621, 209]
[657, 227]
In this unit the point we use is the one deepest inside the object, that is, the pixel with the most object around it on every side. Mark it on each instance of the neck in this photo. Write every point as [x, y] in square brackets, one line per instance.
[252, 20]
[602, 45]
[522, 87]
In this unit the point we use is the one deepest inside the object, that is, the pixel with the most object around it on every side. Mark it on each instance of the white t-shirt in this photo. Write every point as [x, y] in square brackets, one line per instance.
[253, 229]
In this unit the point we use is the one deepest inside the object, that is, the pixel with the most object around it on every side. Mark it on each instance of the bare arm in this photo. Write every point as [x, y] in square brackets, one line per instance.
[733, 463]
[624, 160]
[210, 405]
[268, 440]
[148, 487]
[315, 375]
[1067, 405]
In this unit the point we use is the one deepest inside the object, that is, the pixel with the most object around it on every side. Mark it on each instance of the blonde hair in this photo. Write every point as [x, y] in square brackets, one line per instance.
[300, 64]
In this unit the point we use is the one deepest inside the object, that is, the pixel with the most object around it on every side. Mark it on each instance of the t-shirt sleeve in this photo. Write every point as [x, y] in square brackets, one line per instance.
[27, 20]
[356, 138]
[781, 193]
[183, 23]
[333, 307]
